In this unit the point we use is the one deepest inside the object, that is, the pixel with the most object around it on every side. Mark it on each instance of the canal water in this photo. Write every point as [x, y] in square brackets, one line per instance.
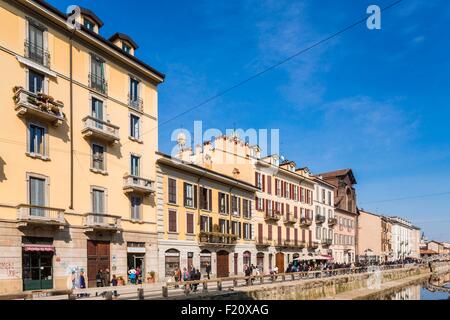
[420, 291]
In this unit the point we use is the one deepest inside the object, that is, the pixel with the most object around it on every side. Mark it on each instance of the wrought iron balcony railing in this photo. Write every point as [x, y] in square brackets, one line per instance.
[320, 218]
[305, 222]
[136, 103]
[98, 83]
[37, 53]
[217, 238]
[332, 222]
[272, 216]
[290, 219]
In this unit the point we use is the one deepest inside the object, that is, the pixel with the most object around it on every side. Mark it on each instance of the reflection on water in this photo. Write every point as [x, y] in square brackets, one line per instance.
[421, 291]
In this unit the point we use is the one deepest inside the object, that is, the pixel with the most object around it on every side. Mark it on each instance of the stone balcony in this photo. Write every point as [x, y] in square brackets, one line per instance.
[38, 215]
[320, 218]
[332, 222]
[39, 106]
[290, 219]
[305, 222]
[216, 239]
[133, 184]
[101, 130]
[102, 222]
[327, 242]
[313, 245]
[263, 242]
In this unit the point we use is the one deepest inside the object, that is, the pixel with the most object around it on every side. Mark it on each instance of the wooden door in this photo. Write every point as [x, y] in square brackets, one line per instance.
[98, 254]
[280, 262]
[222, 264]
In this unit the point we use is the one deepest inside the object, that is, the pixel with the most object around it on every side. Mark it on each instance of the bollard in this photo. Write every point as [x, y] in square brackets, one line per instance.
[283, 278]
[205, 286]
[219, 285]
[293, 277]
[261, 280]
[165, 292]
[235, 283]
[108, 295]
[140, 293]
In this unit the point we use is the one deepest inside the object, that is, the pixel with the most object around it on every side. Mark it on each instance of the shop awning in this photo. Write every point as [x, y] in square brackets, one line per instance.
[39, 248]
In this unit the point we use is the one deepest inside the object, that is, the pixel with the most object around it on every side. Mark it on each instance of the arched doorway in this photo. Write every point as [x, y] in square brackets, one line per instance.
[279, 261]
[205, 260]
[247, 258]
[222, 264]
[260, 261]
[172, 261]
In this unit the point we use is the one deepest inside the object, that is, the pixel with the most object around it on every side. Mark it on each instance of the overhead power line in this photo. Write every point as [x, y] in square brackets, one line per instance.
[274, 66]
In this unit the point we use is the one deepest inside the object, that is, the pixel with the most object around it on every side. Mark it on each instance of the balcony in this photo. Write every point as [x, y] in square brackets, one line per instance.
[320, 218]
[290, 219]
[37, 215]
[102, 222]
[272, 216]
[136, 103]
[327, 242]
[289, 244]
[332, 222]
[100, 129]
[37, 54]
[98, 83]
[40, 106]
[216, 239]
[133, 184]
[263, 242]
[313, 245]
[305, 222]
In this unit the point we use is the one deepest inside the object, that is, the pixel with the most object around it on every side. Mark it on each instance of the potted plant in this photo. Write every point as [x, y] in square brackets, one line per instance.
[151, 277]
[120, 281]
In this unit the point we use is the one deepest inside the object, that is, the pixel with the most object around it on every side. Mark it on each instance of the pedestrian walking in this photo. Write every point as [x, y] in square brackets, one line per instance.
[99, 278]
[208, 270]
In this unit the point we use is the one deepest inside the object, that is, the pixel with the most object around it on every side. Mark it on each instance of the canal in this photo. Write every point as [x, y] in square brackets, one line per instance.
[423, 290]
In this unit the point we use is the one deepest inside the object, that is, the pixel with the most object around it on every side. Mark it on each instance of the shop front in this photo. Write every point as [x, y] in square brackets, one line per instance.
[136, 256]
[37, 263]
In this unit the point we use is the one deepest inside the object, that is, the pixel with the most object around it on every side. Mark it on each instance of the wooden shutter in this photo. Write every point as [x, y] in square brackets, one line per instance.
[310, 236]
[295, 213]
[256, 203]
[269, 184]
[288, 234]
[279, 234]
[256, 179]
[260, 232]
[184, 193]
[303, 235]
[172, 221]
[210, 225]
[190, 223]
[195, 197]
[209, 199]
[295, 235]
[269, 232]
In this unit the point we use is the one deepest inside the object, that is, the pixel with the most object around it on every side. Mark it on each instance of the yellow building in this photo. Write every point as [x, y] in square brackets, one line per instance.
[283, 218]
[77, 171]
[204, 219]
[370, 235]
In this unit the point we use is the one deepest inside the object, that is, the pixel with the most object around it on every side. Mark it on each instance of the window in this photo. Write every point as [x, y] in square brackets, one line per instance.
[172, 262]
[223, 226]
[223, 203]
[318, 233]
[35, 82]
[205, 199]
[247, 208]
[190, 195]
[126, 48]
[136, 203]
[37, 140]
[329, 198]
[236, 205]
[97, 110]
[97, 76]
[35, 44]
[205, 224]
[189, 223]
[134, 92]
[98, 201]
[172, 221]
[235, 228]
[98, 157]
[135, 165]
[89, 25]
[37, 196]
[258, 181]
[323, 195]
[247, 230]
[134, 126]
[172, 191]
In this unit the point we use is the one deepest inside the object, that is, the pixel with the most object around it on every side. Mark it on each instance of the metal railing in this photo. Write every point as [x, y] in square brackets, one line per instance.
[327, 242]
[272, 216]
[102, 221]
[37, 53]
[104, 128]
[134, 183]
[320, 218]
[27, 212]
[305, 221]
[98, 83]
[263, 242]
[289, 218]
[217, 238]
[136, 103]
[332, 221]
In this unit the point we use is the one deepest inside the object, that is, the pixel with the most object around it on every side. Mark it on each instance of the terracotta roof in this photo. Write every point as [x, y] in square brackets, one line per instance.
[426, 251]
[338, 173]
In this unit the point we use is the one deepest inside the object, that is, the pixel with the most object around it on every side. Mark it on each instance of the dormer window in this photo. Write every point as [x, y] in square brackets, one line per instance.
[126, 48]
[89, 25]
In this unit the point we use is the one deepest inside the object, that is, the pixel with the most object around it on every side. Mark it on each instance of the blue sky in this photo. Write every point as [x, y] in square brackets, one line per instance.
[374, 101]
